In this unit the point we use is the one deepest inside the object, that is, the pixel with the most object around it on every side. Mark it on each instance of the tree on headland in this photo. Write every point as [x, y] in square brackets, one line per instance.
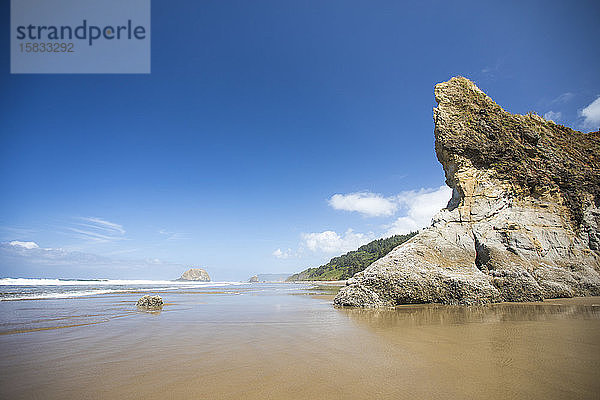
[345, 266]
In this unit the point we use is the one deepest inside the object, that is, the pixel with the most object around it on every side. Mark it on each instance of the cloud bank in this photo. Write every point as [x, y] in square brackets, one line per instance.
[591, 115]
[416, 209]
[18, 255]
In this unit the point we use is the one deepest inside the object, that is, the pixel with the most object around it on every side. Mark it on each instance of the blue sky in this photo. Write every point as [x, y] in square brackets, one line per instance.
[230, 154]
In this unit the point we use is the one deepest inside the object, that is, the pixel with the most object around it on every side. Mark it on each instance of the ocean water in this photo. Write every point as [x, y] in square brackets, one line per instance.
[227, 340]
[38, 289]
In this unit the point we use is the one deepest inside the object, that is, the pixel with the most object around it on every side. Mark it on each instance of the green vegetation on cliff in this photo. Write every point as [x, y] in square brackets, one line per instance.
[345, 266]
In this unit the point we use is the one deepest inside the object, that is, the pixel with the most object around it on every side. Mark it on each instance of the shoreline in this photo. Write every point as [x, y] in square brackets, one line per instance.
[271, 341]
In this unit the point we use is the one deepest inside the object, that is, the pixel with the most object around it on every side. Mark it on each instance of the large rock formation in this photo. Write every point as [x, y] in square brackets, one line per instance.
[195, 274]
[523, 223]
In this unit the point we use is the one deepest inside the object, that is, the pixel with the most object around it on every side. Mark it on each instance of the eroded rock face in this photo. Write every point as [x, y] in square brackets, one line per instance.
[523, 223]
[150, 302]
[195, 274]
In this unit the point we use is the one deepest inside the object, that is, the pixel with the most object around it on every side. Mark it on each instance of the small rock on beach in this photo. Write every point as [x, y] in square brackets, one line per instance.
[148, 301]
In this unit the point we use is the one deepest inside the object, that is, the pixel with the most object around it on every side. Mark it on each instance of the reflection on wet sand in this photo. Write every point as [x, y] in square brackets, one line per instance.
[434, 314]
[533, 350]
[45, 324]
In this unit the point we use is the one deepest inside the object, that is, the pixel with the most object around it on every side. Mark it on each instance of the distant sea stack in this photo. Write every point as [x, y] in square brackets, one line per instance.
[268, 278]
[523, 223]
[195, 274]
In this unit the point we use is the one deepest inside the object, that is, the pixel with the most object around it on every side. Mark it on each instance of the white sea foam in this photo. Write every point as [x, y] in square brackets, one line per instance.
[66, 295]
[107, 282]
[81, 293]
[34, 289]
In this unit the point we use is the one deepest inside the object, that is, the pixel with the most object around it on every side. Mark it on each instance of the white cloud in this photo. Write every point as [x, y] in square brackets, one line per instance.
[173, 236]
[99, 223]
[416, 208]
[420, 206]
[91, 235]
[563, 98]
[282, 254]
[27, 245]
[553, 116]
[369, 204]
[331, 242]
[98, 230]
[591, 115]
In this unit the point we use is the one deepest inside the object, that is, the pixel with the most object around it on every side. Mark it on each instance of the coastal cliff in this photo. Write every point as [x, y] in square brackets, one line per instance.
[523, 223]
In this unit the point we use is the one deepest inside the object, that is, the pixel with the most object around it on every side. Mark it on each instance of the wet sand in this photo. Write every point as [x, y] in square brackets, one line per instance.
[284, 342]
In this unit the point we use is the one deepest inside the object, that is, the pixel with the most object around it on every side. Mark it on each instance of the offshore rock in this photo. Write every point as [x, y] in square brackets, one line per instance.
[253, 279]
[523, 223]
[195, 274]
[150, 302]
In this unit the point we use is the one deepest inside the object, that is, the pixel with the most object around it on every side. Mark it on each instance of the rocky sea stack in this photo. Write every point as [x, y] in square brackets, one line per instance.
[523, 223]
[195, 274]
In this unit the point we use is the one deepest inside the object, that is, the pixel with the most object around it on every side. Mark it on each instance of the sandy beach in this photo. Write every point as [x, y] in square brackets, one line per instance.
[284, 341]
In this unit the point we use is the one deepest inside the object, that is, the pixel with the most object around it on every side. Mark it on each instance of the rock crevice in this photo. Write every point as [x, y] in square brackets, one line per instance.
[523, 223]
